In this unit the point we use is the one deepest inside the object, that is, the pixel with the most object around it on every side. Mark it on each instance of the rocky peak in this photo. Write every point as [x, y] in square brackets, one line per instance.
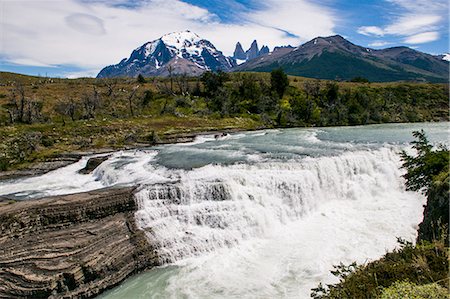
[253, 52]
[264, 50]
[239, 52]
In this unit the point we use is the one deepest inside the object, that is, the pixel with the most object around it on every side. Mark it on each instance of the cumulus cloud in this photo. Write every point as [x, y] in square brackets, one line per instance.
[417, 21]
[92, 34]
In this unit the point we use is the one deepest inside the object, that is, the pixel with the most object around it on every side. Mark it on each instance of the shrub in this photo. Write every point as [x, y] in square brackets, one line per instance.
[405, 289]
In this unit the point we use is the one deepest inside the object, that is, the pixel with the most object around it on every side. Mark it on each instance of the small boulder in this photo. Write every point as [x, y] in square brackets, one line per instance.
[92, 164]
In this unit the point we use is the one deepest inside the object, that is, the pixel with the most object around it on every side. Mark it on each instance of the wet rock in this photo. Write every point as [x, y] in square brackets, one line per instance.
[93, 163]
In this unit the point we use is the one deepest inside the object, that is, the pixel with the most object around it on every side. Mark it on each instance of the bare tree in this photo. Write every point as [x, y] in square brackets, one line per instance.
[17, 103]
[170, 70]
[130, 99]
[183, 84]
[67, 107]
[110, 85]
[91, 102]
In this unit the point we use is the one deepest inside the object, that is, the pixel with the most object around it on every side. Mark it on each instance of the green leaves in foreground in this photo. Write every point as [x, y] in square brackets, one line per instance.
[423, 264]
[426, 165]
[404, 289]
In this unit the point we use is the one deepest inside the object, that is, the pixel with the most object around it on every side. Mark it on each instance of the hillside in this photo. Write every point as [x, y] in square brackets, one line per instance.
[336, 58]
[42, 118]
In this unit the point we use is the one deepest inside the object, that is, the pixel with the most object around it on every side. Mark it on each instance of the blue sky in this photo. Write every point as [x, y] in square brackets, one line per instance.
[72, 38]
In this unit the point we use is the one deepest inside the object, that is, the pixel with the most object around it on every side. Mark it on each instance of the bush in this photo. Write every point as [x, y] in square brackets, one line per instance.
[141, 79]
[422, 264]
[360, 80]
[279, 81]
[401, 290]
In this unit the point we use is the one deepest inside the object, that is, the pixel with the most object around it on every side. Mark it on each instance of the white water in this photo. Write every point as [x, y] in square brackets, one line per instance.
[259, 214]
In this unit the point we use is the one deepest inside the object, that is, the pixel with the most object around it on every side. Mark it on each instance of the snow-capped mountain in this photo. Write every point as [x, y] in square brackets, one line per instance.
[177, 53]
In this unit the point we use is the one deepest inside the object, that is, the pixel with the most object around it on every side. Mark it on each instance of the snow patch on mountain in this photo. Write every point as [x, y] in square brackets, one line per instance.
[153, 57]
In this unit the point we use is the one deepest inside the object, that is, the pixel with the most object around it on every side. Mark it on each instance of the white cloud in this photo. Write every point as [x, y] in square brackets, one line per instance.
[379, 44]
[416, 21]
[422, 38]
[80, 74]
[85, 23]
[29, 62]
[412, 23]
[371, 30]
[93, 34]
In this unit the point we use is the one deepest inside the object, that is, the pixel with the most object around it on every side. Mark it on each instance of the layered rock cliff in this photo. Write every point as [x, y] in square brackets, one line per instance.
[72, 246]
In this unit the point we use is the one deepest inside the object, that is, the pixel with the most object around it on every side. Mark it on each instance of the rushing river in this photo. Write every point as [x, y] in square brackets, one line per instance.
[261, 214]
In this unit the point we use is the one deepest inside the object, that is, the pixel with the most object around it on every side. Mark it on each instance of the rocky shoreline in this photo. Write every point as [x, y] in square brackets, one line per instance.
[71, 246]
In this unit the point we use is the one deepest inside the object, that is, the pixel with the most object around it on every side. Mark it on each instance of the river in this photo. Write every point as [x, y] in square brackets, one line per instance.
[263, 214]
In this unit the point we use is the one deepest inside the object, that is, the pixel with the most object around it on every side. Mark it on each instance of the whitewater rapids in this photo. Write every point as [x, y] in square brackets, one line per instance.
[258, 214]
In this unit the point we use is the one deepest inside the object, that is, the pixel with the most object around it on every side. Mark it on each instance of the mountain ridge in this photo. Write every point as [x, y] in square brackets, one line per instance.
[334, 57]
[331, 57]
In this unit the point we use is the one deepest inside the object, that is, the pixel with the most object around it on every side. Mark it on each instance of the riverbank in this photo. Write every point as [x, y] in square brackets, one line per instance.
[70, 246]
[39, 148]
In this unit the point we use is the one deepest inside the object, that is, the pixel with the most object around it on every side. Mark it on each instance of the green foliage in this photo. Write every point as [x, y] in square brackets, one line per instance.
[279, 81]
[359, 79]
[422, 264]
[147, 98]
[405, 289]
[213, 81]
[4, 163]
[428, 172]
[427, 164]
[140, 79]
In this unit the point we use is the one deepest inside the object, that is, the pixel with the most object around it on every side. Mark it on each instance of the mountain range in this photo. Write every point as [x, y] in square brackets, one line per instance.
[331, 57]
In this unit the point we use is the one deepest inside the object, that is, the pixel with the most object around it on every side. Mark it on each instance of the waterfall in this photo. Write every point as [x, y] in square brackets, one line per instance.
[219, 206]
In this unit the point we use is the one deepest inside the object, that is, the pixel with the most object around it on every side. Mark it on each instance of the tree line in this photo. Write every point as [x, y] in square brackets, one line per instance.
[273, 98]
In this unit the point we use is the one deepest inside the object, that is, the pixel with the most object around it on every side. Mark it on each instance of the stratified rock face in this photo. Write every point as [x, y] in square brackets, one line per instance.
[174, 53]
[70, 246]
